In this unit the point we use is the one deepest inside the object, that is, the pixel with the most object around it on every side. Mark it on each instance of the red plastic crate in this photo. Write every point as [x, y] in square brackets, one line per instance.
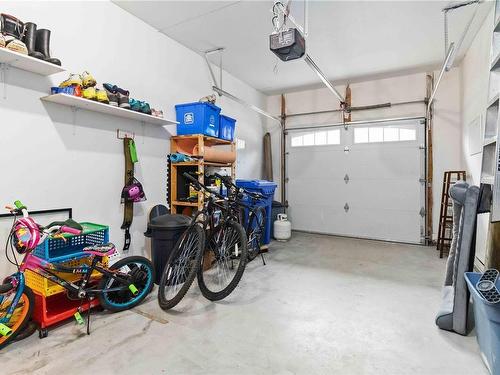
[57, 308]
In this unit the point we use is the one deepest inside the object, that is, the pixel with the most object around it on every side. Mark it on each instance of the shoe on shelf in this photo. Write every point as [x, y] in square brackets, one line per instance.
[15, 45]
[135, 105]
[102, 97]
[113, 98]
[30, 40]
[73, 80]
[110, 89]
[88, 80]
[145, 108]
[123, 101]
[42, 45]
[2, 41]
[89, 93]
[157, 113]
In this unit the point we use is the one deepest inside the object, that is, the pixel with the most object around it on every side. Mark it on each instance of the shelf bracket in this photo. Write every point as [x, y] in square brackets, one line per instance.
[74, 110]
[143, 130]
[4, 67]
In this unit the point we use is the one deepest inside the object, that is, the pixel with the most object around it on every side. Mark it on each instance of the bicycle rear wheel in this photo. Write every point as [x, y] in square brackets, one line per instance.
[181, 267]
[255, 231]
[226, 256]
[139, 272]
[20, 317]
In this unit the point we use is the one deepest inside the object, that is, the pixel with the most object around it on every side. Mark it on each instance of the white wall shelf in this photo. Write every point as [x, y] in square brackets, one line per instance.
[489, 141]
[77, 102]
[493, 101]
[28, 63]
[496, 62]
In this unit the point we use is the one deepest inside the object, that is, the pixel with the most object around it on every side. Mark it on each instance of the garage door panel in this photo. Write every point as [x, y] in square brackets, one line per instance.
[316, 191]
[384, 224]
[376, 193]
[303, 158]
[318, 218]
[383, 192]
[394, 163]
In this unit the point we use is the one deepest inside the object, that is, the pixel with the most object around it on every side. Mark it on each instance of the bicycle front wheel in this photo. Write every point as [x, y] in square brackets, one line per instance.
[20, 317]
[181, 267]
[224, 260]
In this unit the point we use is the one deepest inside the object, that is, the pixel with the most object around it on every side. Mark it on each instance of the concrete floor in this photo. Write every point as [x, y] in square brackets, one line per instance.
[322, 305]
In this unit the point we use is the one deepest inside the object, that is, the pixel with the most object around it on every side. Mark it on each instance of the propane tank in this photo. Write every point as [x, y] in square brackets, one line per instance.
[282, 228]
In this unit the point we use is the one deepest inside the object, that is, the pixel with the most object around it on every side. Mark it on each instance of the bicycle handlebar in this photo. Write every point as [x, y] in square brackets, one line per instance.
[226, 180]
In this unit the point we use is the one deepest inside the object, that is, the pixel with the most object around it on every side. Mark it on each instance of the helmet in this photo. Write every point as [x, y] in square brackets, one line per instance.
[133, 192]
[26, 235]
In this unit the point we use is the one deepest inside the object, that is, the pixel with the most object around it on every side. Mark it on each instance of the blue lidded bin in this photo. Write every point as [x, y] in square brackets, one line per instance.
[226, 128]
[197, 118]
[265, 188]
[487, 319]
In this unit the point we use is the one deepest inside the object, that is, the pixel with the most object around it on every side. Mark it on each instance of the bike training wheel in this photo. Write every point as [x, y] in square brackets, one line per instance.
[181, 267]
[138, 271]
[255, 232]
[21, 315]
[226, 256]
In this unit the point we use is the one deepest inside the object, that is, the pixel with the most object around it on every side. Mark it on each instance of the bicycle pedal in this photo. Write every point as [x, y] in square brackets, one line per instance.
[487, 288]
[78, 318]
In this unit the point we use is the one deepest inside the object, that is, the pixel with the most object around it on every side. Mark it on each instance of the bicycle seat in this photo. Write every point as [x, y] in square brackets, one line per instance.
[100, 250]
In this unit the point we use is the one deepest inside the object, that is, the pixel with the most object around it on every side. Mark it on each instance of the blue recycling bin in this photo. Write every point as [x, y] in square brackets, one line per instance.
[197, 118]
[487, 320]
[266, 188]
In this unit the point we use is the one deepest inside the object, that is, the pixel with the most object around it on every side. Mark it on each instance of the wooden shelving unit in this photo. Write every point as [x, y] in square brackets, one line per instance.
[185, 144]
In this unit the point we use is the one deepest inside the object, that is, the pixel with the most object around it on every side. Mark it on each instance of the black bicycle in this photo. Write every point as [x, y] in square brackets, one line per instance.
[214, 247]
[251, 216]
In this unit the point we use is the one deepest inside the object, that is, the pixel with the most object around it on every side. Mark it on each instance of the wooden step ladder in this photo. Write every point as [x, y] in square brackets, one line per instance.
[446, 214]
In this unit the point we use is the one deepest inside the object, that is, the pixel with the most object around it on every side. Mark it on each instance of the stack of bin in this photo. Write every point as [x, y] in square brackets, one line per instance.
[51, 302]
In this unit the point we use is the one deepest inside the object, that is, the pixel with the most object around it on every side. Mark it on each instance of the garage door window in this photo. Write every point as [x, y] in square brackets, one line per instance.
[318, 138]
[384, 134]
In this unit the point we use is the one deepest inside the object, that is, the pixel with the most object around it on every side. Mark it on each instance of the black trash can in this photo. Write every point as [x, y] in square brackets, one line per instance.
[164, 232]
[276, 208]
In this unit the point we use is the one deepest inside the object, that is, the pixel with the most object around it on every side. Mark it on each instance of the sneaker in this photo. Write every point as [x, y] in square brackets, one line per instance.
[73, 80]
[123, 101]
[15, 45]
[135, 105]
[101, 96]
[88, 80]
[145, 108]
[89, 93]
[157, 113]
[113, 99]
[110, 89]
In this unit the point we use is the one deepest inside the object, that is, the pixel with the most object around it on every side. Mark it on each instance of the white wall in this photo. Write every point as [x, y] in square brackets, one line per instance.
[447, 128]
[50, 159]
[475, 69]
[475, 76]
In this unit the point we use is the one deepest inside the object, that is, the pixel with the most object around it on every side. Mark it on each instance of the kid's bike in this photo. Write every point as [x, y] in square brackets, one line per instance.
[122, 286]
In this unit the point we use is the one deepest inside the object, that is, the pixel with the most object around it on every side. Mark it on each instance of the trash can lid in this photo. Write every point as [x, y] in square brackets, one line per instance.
[262, 186]
[170, 221]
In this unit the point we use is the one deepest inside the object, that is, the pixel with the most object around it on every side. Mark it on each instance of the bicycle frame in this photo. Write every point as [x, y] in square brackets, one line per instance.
[45, 269]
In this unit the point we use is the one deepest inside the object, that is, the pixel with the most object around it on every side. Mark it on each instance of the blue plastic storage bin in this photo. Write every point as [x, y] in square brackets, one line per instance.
[58, 250]
[198, 118]
[226, 127]
[265, 188]
[487, 319]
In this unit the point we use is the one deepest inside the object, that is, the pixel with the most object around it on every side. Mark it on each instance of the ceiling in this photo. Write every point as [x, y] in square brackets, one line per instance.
[348, 40]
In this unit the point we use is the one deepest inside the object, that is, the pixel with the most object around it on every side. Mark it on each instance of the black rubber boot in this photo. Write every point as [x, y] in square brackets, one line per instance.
[42, 45]
[29, 40]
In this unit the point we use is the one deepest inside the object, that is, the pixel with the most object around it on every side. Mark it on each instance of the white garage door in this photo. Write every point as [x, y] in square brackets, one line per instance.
[363, 181]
